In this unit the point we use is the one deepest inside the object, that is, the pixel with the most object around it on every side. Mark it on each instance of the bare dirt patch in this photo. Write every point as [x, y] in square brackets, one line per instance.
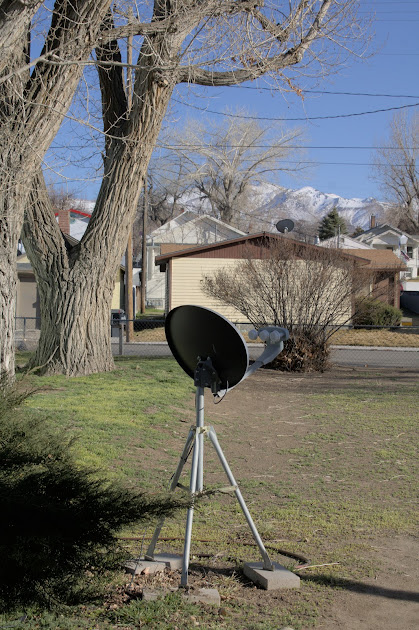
[323, 474]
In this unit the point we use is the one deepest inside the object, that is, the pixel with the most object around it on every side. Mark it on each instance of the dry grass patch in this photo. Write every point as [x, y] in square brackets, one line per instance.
[361, 337]
[381, 338]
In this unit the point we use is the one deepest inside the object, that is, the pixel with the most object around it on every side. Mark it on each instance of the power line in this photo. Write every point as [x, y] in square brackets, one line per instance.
[301, 119]
[316, 162]
[286, 146]
[391, 11]
[369, 94]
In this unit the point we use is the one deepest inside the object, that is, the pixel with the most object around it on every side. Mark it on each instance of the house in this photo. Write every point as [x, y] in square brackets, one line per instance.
[343, 241]
[185, 268]
[387, 237]
[73, 221]
[186, 230]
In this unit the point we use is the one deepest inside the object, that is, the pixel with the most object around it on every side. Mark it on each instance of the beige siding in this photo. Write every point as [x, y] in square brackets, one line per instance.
[27, 303]
[187, 274]
[117, 301]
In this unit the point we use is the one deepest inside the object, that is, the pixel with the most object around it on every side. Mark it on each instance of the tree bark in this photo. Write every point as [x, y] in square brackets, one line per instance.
[9, 222]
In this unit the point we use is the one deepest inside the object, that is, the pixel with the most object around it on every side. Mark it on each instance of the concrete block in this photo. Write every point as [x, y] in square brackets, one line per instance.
[148, 595]
[274, 580]
[171, 560]
[204, 596]
[146, 567]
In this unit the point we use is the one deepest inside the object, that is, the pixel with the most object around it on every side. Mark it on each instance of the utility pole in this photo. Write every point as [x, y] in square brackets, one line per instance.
[129, 302]
[144, 248]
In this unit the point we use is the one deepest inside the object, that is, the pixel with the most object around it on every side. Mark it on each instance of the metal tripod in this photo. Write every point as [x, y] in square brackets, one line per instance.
[205, 376]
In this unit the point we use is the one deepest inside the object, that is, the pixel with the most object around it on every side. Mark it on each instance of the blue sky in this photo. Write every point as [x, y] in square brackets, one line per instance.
[393, 70]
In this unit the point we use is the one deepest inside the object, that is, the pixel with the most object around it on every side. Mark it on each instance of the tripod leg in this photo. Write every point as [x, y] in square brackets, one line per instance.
[189, 518]
[267, 564]
[191, 436]
[200, 423]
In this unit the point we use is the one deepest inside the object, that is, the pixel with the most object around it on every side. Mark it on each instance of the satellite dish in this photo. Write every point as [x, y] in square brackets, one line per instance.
[196, 333]
[285, 225]
[212, 351]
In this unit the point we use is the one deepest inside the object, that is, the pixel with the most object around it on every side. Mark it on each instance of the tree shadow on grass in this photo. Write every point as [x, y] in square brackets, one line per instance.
[353, 586]
[362, 588]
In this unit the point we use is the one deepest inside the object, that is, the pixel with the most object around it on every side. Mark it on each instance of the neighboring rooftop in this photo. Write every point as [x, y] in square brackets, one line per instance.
[378, 258]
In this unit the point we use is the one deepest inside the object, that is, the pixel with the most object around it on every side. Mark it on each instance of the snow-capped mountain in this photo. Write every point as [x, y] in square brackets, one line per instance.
[311, 205]
[271, 203]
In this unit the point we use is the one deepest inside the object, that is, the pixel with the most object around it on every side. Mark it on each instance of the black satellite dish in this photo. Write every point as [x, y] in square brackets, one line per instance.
[285, 225]
[196, 333]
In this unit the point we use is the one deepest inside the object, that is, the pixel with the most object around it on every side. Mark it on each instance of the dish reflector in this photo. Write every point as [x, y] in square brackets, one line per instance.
[195, 332]
[285, 225]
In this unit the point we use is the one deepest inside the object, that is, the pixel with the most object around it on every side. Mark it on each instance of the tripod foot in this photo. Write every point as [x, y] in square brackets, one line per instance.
[274, 580]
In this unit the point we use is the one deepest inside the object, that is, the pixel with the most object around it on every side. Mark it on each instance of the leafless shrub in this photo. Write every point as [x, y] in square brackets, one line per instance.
[307, 289]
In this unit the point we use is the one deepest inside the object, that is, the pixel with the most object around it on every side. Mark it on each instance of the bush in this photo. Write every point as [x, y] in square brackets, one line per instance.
[303, 352]
[369, 312]
[57, 519]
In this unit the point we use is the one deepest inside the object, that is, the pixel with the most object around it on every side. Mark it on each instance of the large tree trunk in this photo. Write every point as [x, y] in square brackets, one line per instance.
[75, 326]
[11, 217]
[75, 295]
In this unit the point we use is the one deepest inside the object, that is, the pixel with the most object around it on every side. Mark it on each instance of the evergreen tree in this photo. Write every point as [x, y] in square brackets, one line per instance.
[357, 231]
[332, 225]
[58, 519]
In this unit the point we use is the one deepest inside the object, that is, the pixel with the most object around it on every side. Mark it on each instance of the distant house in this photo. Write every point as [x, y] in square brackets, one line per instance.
[387, 237]
[73, 221]
[386, 268]
[343, 242]
[184, 231]
[185, 268]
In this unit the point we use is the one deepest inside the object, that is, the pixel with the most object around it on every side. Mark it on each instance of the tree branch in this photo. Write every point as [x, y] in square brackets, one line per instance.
[114, 101]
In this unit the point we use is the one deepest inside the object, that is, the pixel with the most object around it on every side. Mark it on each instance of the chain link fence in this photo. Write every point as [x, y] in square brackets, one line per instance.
[395, 347]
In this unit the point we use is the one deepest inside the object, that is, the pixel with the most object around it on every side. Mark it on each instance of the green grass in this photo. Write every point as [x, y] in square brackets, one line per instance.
[151, 313]
[351, 477]
[117, 415]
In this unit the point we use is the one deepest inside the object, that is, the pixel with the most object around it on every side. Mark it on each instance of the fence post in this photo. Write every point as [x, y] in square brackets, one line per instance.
[121, 339]
[24, 328]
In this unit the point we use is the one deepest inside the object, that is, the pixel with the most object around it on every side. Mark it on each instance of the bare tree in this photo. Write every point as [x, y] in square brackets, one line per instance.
[165, 189]
[205, 42]
[307, 289]
[396, 169]
[33, 102]
[167, 184]
[225, 160]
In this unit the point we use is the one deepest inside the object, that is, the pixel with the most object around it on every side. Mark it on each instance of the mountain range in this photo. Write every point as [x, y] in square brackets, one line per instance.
[310, 205]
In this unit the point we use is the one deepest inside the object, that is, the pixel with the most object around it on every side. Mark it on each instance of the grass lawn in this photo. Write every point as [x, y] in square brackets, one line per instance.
[327, 465]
